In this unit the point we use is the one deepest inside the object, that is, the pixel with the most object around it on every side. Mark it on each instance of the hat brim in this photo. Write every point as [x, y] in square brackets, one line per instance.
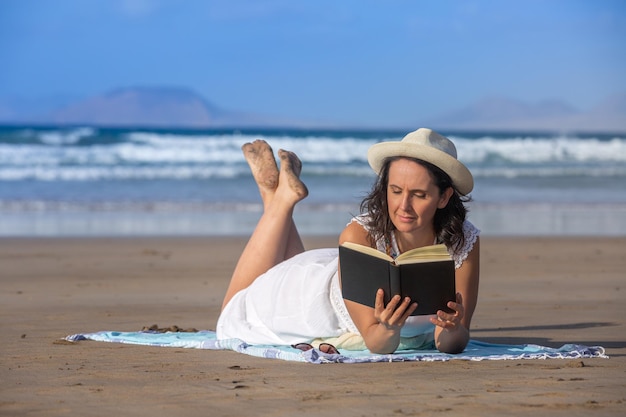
[460, 175]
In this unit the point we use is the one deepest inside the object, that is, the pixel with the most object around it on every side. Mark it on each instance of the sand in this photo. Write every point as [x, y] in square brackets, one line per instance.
[548, 291]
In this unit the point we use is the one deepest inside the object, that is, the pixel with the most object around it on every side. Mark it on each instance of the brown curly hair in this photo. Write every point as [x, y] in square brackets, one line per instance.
[448, 222]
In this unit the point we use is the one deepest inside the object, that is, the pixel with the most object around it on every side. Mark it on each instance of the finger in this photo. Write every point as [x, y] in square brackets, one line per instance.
[380, 313]
[401, 307]
[392, 315]
[459, 302]
[453, 318]
[379, 304]
[412, 308]
[445, 317]
[402, 312]
[459, 310]
[446, 324]
[407, 313]
[393, 304]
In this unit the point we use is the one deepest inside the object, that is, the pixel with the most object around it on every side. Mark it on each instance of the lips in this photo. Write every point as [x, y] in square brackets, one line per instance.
[406, 219]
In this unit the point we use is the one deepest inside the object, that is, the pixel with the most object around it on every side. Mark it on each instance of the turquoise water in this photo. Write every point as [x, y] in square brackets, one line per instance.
[90, 181]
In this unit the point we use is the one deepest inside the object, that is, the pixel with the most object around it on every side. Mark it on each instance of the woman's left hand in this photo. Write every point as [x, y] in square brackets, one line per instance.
[450, 321]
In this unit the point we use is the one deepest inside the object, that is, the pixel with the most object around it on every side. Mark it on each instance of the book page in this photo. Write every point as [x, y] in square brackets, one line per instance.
[424, 254]
[367, 250]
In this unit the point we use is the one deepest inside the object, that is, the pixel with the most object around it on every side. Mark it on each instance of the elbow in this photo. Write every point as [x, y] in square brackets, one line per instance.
[382, 346]
[453, 342]
[451, 348]
[381, 349]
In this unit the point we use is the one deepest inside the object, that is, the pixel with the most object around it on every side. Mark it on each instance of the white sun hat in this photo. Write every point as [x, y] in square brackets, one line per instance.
[429, 146]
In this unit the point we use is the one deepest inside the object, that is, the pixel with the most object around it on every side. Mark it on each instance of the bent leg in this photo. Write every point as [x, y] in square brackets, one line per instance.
[260, 158]
[275, 235]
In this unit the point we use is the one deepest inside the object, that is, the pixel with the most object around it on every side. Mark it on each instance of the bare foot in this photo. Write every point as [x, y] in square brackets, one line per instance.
[290, 168]
[260, 158]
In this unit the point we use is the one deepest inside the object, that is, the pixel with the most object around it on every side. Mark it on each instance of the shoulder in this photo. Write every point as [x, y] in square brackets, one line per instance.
[355, 232]
[470, 233]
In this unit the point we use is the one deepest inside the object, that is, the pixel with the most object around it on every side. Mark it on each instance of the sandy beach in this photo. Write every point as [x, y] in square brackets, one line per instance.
[548, 291]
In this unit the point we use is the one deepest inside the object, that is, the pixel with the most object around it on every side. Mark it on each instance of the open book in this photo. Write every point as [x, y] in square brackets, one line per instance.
[425, 275]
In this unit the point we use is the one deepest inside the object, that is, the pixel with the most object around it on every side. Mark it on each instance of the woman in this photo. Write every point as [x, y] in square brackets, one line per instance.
[281, 294]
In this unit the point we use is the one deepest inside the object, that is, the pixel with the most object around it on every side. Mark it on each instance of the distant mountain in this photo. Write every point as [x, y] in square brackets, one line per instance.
[141, 106]
[181, 107]
[499, 113]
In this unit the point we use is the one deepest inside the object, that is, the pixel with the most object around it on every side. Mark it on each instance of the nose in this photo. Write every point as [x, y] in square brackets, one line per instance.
[405, 204]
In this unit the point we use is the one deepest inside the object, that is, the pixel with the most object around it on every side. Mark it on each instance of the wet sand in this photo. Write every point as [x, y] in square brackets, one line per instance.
[548, 291]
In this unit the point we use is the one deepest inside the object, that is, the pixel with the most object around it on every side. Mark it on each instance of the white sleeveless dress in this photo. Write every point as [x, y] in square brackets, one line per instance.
[299, 300]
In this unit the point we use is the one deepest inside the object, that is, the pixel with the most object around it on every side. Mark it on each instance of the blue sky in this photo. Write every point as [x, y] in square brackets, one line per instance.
[353, 61]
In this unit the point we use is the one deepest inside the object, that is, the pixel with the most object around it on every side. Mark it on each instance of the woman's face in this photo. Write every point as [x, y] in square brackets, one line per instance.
[413, 198]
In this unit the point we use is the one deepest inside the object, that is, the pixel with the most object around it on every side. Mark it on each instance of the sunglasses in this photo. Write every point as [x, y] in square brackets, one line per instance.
[323, 347]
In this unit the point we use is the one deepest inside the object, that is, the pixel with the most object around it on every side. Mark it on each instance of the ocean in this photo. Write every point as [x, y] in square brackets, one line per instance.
[87, 181]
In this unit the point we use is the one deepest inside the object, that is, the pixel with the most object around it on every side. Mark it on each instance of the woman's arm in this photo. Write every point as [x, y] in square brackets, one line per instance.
[452, 331]
[380, 326]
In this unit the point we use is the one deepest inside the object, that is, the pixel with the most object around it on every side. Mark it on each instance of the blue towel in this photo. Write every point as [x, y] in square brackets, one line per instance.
[475, 350]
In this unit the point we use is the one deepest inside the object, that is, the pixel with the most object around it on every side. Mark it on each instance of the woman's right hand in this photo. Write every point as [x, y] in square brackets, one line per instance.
[394, 314]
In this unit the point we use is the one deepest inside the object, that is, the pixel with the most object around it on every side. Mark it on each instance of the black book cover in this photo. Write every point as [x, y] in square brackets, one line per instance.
[430, 284]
